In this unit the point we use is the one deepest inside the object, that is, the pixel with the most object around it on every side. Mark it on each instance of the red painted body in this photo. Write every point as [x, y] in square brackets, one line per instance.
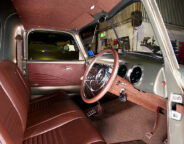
[47, 74]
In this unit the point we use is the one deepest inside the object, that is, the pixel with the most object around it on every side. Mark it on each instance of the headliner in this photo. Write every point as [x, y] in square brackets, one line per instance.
[60, 14]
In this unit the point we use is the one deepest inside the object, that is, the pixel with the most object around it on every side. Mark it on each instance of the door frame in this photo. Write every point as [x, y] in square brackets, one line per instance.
[175, 84]
[83, 58]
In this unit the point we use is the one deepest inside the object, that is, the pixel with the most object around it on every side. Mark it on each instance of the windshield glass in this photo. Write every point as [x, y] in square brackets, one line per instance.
[172, 13]
[129, 30]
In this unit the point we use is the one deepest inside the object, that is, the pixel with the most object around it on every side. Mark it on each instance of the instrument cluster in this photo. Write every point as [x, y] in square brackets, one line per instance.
[133, 74]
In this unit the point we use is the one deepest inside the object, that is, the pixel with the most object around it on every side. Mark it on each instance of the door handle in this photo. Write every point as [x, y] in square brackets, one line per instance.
[68, 68]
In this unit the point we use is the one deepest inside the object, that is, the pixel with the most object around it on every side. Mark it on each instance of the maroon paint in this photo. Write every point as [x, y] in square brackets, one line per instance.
[47, 74]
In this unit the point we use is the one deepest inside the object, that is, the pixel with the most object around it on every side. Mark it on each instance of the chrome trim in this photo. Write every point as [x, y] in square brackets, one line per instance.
[68, 68]
[123, 64]
[24, 45]
[129, 71]
[81, 46]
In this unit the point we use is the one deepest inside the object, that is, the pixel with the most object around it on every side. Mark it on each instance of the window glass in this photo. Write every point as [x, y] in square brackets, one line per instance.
[133, 28]
[172, 12]
[52, 46]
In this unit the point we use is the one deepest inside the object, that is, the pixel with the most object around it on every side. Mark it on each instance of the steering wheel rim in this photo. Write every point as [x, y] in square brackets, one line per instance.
[110, 81]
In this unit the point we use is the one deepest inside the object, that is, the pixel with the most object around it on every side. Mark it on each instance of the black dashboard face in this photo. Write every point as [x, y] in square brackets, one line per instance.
[135, 75]
[122, 71]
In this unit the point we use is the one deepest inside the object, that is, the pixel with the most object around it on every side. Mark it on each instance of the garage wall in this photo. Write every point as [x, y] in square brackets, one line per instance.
[135, 35]
[123, 26]
[122, 30]
[172, 15]
[172, 11]
[176, 34]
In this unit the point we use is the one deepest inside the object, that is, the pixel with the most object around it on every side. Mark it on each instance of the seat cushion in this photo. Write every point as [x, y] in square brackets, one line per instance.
[16, 89]
[76, 131]
[51, 106]
[53, 117]
[11, 130]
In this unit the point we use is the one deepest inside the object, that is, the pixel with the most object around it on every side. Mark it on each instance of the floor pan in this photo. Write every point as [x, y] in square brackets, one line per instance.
[122, 122]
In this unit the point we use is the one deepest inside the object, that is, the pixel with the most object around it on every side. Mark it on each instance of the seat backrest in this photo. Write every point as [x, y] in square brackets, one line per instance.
[14, 103]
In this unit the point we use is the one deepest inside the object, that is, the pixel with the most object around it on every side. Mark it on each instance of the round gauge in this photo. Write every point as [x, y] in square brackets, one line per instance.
[136, 74]
[122, 71]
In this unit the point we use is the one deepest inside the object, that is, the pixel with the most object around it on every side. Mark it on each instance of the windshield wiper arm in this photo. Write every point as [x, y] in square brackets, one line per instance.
[120, 44]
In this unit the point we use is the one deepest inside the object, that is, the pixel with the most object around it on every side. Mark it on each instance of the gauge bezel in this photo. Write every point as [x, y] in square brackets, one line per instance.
[130, 72]
[126, 70]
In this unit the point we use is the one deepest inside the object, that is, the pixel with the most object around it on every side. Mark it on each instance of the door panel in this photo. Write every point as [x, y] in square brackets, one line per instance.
[55, 74]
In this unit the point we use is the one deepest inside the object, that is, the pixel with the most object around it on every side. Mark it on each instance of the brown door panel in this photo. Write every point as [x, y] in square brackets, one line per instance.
[55, 74]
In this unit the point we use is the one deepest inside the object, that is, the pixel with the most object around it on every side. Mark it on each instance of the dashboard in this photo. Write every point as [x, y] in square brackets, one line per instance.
[144, 73]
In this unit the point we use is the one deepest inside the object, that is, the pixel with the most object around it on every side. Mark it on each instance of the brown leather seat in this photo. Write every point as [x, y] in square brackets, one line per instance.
[53, 119]
[51, 106]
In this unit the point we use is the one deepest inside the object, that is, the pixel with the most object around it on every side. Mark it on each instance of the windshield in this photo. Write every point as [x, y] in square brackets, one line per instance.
[172, 14]
[128, 31]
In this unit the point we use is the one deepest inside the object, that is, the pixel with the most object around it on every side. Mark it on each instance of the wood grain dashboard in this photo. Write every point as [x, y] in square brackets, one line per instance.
[147, 100]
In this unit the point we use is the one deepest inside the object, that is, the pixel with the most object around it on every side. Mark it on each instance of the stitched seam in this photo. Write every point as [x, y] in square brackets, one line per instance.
[96, 142]
[54, 127]
[52, 118]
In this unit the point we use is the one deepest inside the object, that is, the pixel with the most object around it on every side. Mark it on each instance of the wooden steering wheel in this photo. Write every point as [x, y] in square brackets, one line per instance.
[97, 82]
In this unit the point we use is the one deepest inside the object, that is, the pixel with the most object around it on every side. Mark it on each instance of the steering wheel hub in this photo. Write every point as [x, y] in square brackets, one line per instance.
[100, 75]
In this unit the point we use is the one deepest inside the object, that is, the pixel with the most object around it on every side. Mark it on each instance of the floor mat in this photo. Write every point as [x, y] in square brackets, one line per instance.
[127, 122]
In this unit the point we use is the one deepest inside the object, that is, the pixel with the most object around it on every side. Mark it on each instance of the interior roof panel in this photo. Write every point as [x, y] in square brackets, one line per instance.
[60, 14]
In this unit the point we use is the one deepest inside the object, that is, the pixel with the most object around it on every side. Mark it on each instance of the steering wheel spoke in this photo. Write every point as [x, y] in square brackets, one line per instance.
[91, 91]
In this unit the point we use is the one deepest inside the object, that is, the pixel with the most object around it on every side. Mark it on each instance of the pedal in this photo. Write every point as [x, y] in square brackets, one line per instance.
[99, 109]
[91, 112]
[149, 135]
[95, 111]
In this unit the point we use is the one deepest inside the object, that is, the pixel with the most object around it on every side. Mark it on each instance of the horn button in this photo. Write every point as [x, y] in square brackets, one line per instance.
[101, 79]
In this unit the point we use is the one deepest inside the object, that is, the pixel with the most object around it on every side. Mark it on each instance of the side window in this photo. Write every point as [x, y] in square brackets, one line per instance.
[52, 46]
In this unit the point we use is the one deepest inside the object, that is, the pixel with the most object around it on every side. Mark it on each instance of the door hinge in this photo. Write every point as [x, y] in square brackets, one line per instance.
[176, 99]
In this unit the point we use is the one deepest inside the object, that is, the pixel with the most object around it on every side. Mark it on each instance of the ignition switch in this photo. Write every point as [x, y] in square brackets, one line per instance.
[123, 96]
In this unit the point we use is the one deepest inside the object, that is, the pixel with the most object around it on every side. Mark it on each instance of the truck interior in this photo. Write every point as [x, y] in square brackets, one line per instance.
[81, 72]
